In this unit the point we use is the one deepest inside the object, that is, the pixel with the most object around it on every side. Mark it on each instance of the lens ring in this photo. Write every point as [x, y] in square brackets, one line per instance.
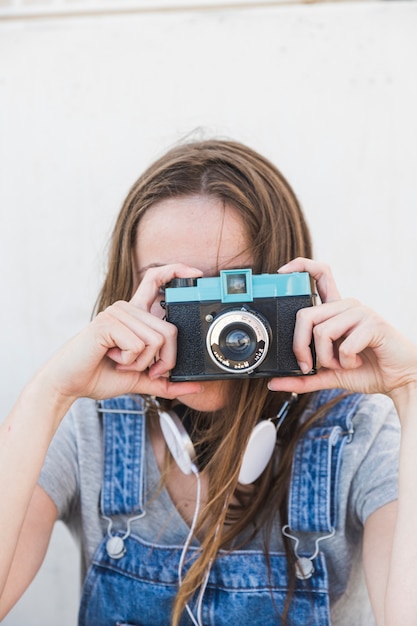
[230, 349]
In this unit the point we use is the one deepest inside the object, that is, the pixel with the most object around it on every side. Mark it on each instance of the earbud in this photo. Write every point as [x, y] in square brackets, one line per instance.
[258, 452]
[178, 441]
[257, 455]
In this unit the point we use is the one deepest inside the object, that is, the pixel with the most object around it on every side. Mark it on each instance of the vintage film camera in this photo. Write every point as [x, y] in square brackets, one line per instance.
[237, 324]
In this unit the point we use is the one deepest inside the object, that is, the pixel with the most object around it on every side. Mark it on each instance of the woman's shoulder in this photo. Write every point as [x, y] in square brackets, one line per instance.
[336, 406]
[356, 438]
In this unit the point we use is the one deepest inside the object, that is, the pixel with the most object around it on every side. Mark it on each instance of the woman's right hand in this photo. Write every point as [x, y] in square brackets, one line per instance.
[125, 349]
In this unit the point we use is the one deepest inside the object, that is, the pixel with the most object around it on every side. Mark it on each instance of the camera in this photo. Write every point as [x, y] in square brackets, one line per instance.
[237, 324]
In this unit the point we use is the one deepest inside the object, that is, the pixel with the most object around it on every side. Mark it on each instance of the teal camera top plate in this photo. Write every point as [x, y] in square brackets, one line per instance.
[240, 285]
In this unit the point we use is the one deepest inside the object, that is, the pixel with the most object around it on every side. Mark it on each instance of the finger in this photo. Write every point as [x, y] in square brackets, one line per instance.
[124, 348]
[350, 333]
[158, 337]
[163, 388]
[322, 274]
[127, 357]
[324, 379]
[137, 362]
[327, 323]
[365, 334]
[116, 337]
[155, 278]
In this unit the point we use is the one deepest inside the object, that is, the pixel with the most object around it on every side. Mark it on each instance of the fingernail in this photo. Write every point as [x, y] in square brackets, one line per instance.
[304, 368]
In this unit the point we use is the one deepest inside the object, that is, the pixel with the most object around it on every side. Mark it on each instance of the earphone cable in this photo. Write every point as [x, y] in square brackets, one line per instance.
[189, 538]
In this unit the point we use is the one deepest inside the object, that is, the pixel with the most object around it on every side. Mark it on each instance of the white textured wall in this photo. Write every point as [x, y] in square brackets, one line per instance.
[327, 91]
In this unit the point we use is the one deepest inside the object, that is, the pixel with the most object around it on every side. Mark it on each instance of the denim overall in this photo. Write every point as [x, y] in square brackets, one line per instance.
[139, 588]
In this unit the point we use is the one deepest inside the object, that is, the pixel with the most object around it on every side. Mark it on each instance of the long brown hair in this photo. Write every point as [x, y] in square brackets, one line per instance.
[241, 178]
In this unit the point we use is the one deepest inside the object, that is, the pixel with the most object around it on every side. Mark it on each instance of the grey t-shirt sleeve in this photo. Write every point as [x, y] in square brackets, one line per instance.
[59, 476]
[374, 458]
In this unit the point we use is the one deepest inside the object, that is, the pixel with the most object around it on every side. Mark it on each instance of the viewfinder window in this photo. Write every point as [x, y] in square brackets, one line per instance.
[236, 283]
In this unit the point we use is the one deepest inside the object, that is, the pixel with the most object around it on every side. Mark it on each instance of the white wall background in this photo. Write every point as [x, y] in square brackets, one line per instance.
[327, 91]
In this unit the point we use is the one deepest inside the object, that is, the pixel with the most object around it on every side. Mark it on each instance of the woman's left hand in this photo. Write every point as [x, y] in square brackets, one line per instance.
[356, 349]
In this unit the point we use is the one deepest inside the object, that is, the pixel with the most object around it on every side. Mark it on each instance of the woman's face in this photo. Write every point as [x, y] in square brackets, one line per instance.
[201, 232]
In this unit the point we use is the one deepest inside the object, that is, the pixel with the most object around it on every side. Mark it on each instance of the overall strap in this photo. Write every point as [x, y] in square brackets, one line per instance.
[124, 455]
[316, 464]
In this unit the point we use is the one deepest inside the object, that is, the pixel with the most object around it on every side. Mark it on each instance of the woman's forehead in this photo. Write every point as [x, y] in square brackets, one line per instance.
[196, 230]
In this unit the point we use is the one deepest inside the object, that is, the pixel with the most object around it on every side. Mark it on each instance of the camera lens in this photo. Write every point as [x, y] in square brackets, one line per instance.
[238, 340]
[238, 343]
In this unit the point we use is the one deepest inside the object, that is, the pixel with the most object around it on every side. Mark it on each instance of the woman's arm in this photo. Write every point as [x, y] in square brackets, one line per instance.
[377, 547]
[31, 548]
[125, 349]
[390, 544]
[358, 351]
[401, 591]
[24, 440]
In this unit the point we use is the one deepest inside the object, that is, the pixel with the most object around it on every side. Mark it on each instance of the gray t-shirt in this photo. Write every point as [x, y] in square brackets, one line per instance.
[72, 476]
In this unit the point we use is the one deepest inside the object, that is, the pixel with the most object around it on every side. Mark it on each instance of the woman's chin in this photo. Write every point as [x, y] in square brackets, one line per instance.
[212, 398]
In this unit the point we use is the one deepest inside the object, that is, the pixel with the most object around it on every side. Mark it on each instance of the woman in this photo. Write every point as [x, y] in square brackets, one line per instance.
[163, 546]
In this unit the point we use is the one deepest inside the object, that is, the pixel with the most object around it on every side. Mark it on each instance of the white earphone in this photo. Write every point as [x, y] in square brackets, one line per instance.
[257, 455]
[178, 441]
[258, 452]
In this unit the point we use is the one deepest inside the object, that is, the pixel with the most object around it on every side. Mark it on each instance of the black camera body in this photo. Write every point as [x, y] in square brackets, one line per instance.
[237, 325]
